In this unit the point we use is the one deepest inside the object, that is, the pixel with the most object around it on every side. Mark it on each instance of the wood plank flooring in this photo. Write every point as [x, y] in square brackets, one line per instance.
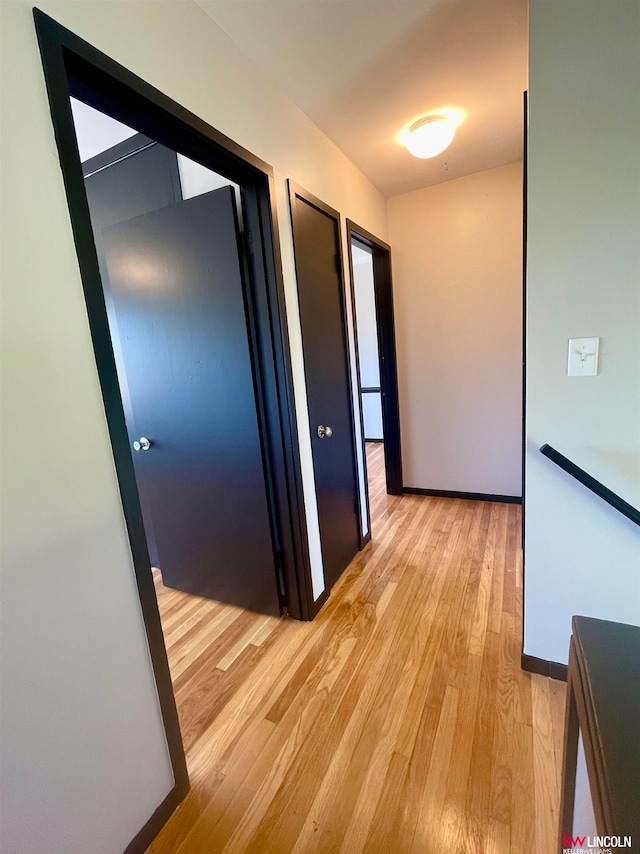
[398, 721]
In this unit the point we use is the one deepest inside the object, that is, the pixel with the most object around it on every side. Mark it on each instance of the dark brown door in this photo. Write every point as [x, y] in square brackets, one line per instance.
[316, 239]
[177, 287]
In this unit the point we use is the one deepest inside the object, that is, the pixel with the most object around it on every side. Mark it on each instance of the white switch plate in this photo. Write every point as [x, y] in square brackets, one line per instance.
[583, 357]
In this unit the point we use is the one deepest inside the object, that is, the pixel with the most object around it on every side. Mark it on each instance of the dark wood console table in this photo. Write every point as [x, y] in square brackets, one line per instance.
[603, 714]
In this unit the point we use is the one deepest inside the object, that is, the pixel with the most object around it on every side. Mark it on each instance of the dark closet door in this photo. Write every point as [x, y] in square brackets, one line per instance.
[177, 287]
[318, 268]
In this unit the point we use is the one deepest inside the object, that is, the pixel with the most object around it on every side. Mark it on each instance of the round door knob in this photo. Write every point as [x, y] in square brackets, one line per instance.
[324, 431]
[142, 444]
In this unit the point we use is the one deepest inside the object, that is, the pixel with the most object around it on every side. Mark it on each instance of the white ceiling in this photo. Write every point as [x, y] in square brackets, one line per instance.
[363, 70]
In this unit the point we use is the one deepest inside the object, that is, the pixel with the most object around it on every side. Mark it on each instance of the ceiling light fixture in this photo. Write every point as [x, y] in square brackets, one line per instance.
[430, 136]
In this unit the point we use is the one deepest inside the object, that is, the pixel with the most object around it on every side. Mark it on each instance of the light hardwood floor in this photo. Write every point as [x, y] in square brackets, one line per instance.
[398, 721]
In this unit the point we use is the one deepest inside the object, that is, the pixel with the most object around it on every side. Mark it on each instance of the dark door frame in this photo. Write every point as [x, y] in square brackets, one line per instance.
[73, 67]
[295, 191]
[383, 289]
[524, 660]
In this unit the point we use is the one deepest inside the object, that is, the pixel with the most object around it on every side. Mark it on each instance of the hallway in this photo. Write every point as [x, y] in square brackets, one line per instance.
[398, 721]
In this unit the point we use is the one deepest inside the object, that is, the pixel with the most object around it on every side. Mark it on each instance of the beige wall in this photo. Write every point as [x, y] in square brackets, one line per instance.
[581, 556]
[457, 279]
[84, 760]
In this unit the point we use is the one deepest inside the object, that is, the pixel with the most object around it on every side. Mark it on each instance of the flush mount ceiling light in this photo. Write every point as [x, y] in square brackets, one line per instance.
[430, 136]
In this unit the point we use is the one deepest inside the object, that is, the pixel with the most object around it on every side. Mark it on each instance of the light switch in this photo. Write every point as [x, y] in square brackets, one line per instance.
[583, 357]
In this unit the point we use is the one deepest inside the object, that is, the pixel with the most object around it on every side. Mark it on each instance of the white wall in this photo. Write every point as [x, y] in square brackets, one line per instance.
[84, 761]
[372, 416]
[95, 131]
[368, 357]
[581, 556]
[365, 300]
[196, 179]
[457, 281]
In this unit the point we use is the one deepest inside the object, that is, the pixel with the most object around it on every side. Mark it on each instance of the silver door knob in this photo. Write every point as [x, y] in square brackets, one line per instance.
[324, 431]
[142, 444]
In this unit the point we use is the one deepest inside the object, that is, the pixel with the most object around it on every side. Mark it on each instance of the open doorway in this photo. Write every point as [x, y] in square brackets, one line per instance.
[168, 236]
[166, 199]
[372, 310]
[369, 387]
[169, 239]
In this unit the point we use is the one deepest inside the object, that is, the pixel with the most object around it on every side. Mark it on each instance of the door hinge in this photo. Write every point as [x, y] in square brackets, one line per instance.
[339, 263]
